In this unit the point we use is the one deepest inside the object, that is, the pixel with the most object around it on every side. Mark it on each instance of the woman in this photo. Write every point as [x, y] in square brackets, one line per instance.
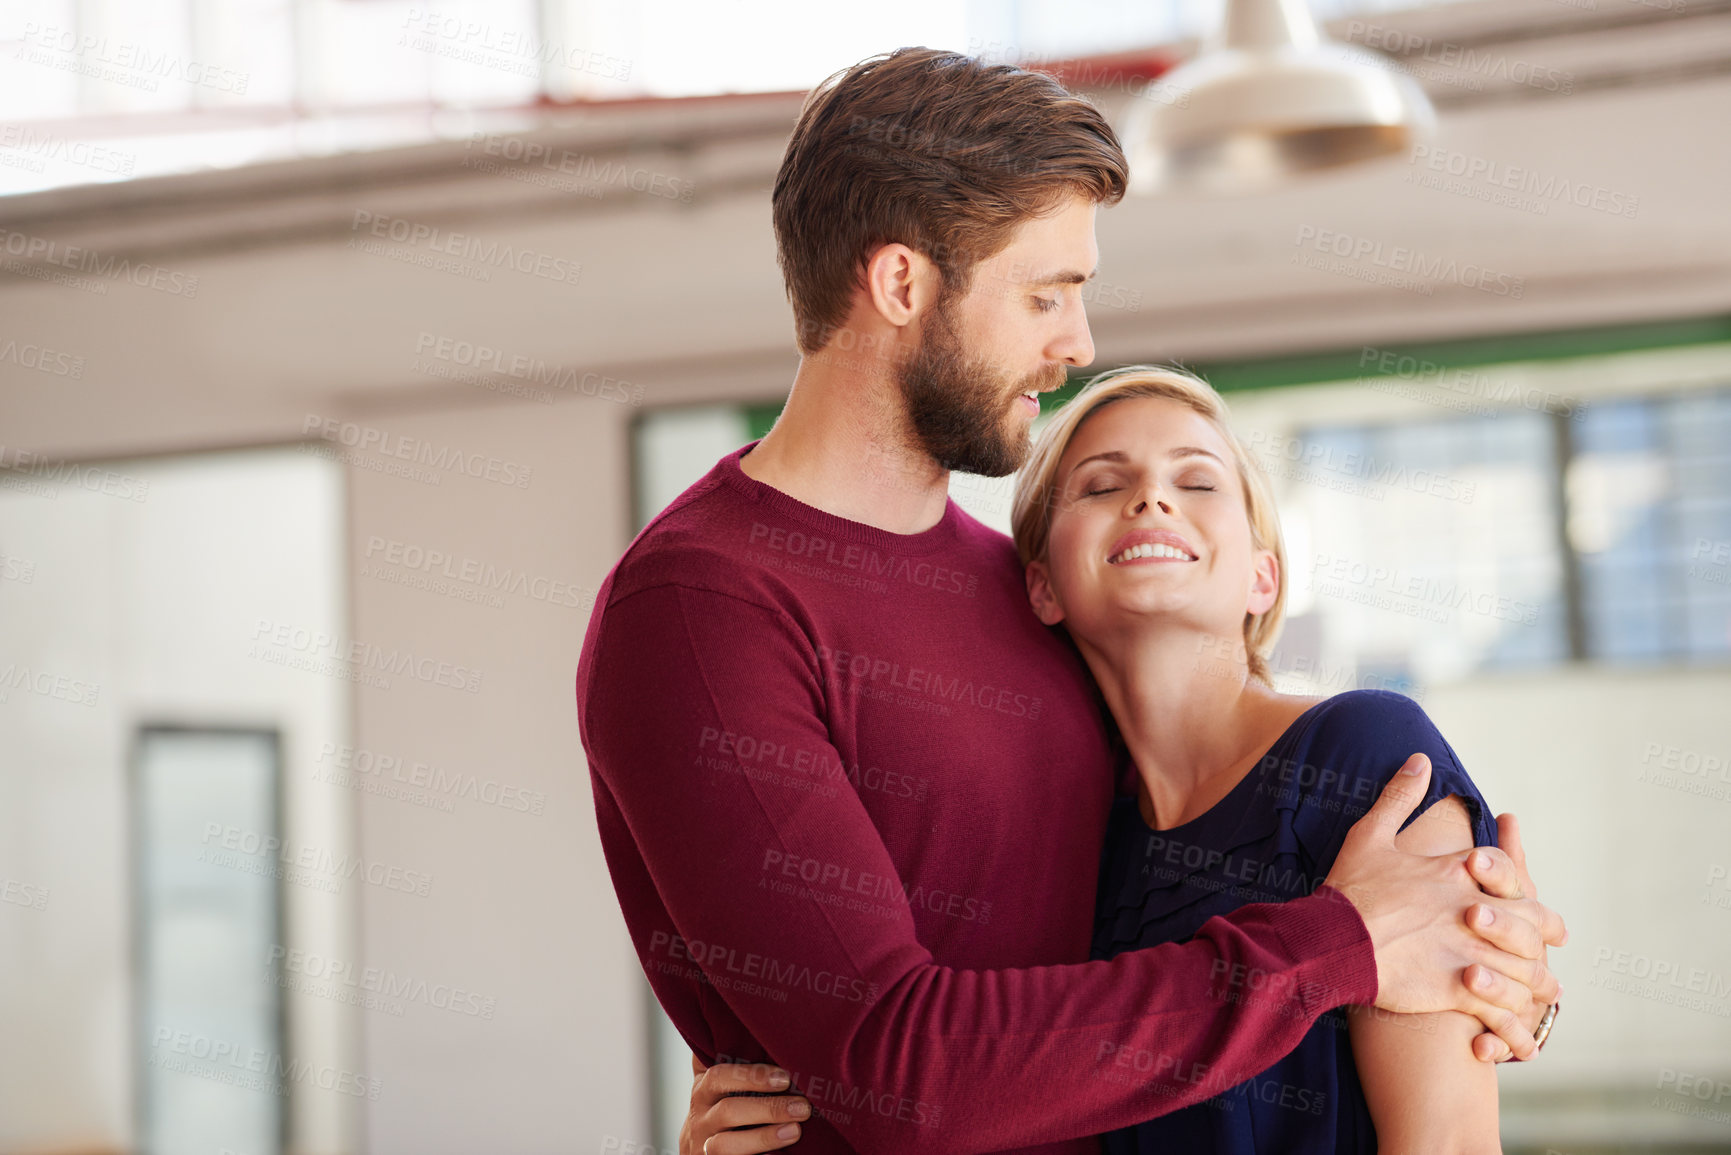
[1149, 534]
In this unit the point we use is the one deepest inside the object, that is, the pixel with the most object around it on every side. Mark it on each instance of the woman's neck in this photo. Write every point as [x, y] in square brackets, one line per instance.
[1194, 720]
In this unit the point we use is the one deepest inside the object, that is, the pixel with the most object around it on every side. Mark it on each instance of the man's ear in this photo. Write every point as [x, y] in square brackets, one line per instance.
[1264, 582]
[1040, 595]
[901, 283]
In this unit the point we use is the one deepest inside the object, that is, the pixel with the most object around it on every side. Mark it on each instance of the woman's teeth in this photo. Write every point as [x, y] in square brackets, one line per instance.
[1150, 549]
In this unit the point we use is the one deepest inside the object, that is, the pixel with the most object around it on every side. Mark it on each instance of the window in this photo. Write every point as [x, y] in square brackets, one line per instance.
[1649, 491]
[1426, 551]
[211, 1062]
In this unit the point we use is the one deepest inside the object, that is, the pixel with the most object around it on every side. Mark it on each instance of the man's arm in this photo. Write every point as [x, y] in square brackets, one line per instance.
[981, 1060]
[1426, 1090]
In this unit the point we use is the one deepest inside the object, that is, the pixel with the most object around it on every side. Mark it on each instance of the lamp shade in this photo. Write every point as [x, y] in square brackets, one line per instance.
[1267, 99]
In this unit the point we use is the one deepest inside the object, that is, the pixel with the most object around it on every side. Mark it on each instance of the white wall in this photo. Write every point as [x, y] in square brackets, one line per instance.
[521, 909]
[141, 605]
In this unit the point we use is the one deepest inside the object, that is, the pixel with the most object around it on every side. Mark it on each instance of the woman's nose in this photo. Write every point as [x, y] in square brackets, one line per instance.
[1141, 507]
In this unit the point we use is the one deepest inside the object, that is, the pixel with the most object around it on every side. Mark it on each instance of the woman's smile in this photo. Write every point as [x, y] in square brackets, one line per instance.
[1141, 546]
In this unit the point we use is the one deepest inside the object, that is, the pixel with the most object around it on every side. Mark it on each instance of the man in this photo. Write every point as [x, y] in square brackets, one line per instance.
[851, 793]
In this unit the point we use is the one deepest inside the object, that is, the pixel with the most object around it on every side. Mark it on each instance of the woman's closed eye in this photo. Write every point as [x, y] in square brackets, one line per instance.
[1198, 481]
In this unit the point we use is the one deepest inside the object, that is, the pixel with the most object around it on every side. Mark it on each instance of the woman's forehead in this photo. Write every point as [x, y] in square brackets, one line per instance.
[1138, 424]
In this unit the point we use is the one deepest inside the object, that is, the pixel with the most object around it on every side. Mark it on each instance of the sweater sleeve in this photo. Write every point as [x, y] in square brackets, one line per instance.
[997, 1058]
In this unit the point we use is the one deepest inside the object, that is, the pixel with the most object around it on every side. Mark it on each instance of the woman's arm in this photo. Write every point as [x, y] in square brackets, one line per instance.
[1426, 1091]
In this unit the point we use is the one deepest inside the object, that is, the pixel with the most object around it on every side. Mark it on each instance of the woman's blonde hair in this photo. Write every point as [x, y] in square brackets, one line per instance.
[1037, 489]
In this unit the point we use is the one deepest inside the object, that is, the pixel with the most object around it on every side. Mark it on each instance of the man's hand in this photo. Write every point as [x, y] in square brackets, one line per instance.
[729, 1096]
[1427, 920]
[1506, 877]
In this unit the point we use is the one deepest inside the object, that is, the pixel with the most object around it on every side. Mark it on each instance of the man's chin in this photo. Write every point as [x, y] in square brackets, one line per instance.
[1021, 446]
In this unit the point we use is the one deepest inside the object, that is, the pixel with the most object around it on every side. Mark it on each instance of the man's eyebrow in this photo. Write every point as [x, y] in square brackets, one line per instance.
[1118, 457]
[1064, 277]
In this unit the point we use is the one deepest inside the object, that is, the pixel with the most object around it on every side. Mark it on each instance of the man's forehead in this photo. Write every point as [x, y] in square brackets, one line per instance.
[1058, 249]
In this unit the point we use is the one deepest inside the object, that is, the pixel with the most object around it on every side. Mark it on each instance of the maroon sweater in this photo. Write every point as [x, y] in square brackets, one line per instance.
[852, 796]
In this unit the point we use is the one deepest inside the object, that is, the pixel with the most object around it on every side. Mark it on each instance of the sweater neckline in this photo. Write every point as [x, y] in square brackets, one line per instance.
[942, 535]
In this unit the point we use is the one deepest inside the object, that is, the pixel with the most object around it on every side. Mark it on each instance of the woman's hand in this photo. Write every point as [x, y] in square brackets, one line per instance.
[729, 1096]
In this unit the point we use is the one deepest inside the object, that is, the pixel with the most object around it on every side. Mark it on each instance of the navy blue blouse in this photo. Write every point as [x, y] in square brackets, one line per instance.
[1274, 837]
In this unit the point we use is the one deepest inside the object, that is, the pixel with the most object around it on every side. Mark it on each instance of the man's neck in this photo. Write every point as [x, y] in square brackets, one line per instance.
[842, 445]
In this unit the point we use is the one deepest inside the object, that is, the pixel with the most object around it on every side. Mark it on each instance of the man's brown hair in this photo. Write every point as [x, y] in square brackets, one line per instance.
[933, 150]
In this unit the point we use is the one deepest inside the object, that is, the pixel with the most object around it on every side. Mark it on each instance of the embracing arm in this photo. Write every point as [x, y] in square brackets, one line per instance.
[894, 1050]
[947, 1059]
[1426, 1090]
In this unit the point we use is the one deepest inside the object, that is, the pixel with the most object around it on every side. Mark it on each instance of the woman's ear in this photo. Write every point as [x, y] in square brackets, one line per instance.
[1040, 594]
[1264, 582]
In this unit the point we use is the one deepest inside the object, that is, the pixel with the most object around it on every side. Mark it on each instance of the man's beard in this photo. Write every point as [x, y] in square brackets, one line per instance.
[958, 404]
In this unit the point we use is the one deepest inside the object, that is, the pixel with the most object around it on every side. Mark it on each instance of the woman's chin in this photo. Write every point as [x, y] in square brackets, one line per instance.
[1140, 612]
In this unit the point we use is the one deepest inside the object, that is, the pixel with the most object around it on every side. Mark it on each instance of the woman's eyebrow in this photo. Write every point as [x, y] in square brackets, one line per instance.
[1114, 455]
[1118, 456]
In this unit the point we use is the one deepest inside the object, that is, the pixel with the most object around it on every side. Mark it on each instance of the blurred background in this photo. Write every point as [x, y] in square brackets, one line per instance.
[345, 345]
